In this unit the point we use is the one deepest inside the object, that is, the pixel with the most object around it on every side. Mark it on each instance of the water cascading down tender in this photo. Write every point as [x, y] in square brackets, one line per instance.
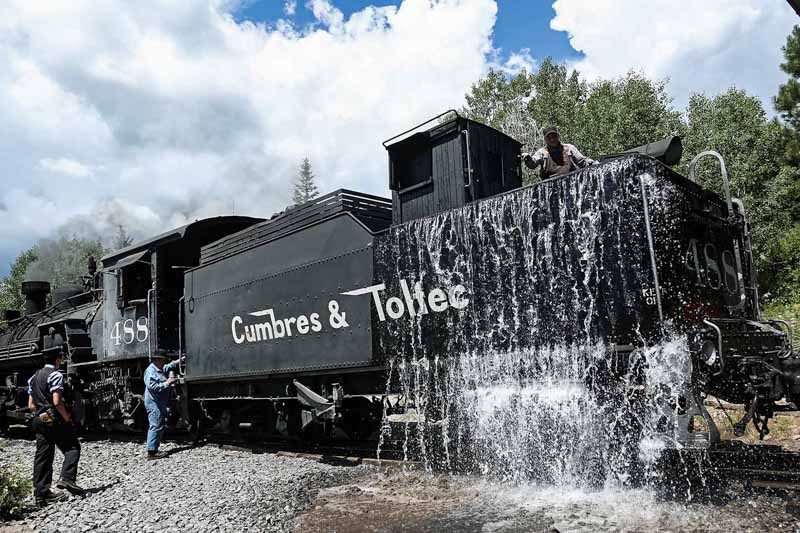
[602, 307]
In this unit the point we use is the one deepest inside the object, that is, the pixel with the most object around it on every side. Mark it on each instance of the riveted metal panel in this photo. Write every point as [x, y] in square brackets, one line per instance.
[233, 306]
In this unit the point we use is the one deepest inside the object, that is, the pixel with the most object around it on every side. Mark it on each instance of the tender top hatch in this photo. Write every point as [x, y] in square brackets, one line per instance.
[374, 212]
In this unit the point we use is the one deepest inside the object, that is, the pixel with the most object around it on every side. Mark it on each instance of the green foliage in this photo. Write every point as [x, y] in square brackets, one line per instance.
[623, 113]
[605, 117]
[781, 268]
[787, 102]
[736, 125]
[557, 98]
[304, 188]
[63, 260]
[15, 486]
[490, 97]
[11, 296]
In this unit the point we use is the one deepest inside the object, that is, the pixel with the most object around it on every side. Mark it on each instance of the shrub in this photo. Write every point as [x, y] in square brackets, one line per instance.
[15, 486]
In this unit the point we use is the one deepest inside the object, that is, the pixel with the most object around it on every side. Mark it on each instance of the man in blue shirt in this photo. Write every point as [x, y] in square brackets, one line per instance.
[156, 398]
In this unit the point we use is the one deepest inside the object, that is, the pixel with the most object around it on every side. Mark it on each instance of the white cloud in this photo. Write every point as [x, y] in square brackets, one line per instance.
[178, 112]
[327, 14]
[290, 8]
[64, 165]
[516, 62]
[701, 46]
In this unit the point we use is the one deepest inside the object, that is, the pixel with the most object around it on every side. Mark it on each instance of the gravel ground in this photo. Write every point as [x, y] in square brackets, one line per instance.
[210, 489]
[197, 489]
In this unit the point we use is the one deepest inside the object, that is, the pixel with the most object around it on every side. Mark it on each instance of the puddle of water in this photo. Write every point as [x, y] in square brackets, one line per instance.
[418, 502]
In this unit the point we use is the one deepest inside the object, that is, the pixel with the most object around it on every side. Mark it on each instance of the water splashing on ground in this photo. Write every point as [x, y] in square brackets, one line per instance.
[539, 416]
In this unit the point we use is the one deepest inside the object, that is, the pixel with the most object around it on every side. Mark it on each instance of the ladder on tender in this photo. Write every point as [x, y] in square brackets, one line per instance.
[748, 288]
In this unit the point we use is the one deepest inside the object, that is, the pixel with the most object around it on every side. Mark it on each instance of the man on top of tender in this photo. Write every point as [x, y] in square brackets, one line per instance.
[555, 158]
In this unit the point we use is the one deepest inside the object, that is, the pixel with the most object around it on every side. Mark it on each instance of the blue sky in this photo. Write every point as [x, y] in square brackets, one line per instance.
[520, 23]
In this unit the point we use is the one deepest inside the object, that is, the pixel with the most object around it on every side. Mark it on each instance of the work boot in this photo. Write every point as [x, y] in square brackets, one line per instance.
[69, 485]
[151, 454]
[50, 497]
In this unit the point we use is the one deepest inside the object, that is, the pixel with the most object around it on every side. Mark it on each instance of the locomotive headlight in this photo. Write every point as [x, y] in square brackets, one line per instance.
[708, 353]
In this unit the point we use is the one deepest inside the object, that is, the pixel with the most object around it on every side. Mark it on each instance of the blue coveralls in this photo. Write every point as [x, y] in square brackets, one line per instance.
[156, 398]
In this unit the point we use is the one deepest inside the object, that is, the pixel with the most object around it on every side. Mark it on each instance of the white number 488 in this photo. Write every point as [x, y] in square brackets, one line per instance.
[128, 331]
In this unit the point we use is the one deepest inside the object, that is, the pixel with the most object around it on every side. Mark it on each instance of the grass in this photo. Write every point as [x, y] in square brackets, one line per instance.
[782, 427]
[790, 312]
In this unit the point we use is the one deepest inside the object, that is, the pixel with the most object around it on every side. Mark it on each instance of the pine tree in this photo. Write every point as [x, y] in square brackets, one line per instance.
[304, 188]
[787, 103]
[121, 239]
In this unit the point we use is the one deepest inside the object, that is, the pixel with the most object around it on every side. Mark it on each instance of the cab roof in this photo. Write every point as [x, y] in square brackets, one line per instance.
[137, 250]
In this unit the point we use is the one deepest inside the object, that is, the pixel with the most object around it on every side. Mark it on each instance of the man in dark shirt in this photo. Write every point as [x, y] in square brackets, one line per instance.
[555, 158]
[52, 424]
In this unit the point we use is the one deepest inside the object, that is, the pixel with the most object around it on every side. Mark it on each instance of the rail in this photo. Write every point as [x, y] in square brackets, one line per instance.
[418, 126]
[719, 348]
[469, 164]
[149, 327]
[652, 250]
[180, 334]
[748, 244]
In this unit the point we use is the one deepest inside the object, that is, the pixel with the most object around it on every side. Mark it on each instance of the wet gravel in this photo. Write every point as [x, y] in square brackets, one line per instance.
[194, 489]
[416, 502]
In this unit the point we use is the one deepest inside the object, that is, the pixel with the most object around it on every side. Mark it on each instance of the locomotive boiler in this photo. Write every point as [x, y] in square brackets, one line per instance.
[295, 327]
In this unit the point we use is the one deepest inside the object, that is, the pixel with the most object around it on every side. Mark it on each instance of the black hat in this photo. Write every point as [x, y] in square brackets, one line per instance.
[159, 353]
[550, 129]
[51, 354]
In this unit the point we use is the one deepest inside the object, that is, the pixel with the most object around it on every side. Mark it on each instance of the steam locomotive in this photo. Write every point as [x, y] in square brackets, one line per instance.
[291, 325]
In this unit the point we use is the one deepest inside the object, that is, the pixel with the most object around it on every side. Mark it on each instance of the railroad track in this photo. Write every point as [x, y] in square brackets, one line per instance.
[763, 466]
[349, 452]
[759, 466]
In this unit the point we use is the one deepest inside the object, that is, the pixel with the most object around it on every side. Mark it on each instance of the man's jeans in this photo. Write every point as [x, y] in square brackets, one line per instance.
[157, 416]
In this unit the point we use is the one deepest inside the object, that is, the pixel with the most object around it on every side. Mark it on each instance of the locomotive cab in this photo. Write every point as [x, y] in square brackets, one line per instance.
[142, 292]
[143, 286]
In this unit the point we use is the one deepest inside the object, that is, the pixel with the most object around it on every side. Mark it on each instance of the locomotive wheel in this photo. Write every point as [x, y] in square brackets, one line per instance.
[197, 432]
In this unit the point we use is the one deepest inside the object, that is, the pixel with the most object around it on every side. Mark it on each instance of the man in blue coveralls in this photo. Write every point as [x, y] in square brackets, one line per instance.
[156, 398]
